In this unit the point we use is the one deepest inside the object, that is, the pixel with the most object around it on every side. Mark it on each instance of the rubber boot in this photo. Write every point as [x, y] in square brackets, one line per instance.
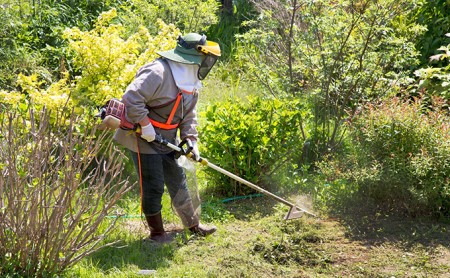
[190, 220]
[203, 230]
[157, 233]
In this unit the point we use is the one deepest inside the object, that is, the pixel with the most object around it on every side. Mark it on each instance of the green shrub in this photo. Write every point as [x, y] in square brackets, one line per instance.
[107, 61]
[435, 81]
[432, 14]
[400, 159]
[252, 138]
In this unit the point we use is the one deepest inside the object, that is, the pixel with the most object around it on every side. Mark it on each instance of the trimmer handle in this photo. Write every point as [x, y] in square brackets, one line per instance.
[186, 148]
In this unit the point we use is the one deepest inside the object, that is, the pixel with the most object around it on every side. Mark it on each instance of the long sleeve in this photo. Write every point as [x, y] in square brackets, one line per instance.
[141, 91]
[153, 87]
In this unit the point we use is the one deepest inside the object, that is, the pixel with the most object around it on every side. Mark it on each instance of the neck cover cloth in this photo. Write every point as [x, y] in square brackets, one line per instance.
[185, 76]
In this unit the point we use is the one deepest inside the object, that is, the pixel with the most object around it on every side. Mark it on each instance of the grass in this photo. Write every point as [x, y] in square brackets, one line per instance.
[253, 240]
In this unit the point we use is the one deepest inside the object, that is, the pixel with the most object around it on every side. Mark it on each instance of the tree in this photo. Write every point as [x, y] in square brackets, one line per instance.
[334, 55]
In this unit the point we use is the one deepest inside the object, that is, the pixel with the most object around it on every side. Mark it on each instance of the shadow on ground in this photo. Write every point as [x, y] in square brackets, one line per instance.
[375, 227]
[143, 254]
[250, 208]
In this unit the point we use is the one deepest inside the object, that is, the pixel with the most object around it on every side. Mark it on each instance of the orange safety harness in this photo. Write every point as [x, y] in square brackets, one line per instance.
[168, 124]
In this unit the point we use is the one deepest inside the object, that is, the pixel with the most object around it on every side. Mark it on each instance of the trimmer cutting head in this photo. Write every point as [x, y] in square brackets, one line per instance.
[294, 213]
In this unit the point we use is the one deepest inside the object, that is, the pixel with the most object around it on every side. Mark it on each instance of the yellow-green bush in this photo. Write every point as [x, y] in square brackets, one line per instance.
[107, 61]
[32, 93]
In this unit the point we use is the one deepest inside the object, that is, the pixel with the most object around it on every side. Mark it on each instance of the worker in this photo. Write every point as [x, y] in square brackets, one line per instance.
[162, 99]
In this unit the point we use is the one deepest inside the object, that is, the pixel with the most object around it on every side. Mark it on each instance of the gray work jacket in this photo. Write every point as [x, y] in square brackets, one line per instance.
[155, 86]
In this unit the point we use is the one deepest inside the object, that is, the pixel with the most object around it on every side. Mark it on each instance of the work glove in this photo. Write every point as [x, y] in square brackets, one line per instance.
[195, 151]
[148, 132]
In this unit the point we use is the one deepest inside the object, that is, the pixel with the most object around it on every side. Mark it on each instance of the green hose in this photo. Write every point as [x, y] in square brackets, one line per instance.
[227, 200]
[241, 197]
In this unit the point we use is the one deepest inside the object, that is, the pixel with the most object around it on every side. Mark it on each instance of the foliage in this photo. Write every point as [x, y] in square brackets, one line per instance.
[54, 97]
[36, 28]
[244, 137]
[107, 61]
[186, 15]
[433, 14]
[14, 56]
[335, 54]
[229, 25]
[55, 192]
[435, 81]
[401, 158]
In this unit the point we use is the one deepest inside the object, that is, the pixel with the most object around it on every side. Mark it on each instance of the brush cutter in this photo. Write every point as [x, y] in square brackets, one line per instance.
[294, 211]
[112, 116]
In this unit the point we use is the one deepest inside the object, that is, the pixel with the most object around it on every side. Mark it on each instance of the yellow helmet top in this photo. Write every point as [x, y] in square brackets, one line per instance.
[210, 48]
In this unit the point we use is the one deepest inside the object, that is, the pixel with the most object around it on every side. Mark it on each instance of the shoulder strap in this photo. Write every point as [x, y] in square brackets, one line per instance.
[168, 124]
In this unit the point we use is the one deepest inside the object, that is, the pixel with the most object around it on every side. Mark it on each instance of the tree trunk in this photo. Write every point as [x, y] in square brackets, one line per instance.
[227, 6]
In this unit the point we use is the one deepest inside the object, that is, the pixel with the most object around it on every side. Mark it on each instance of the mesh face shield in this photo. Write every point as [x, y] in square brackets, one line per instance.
[207, 63]
[211, 50]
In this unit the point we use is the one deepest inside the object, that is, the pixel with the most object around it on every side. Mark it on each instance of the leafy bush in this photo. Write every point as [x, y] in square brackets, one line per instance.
[31, 38]
[435, 81]
[230, 24]
[107, 61]
[251, 138]
[432, 14]
[54, 97]
[55, 192]
[401, 158]
[16, 57]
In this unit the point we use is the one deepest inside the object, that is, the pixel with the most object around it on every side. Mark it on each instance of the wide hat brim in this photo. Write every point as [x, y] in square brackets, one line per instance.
[183, 55]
